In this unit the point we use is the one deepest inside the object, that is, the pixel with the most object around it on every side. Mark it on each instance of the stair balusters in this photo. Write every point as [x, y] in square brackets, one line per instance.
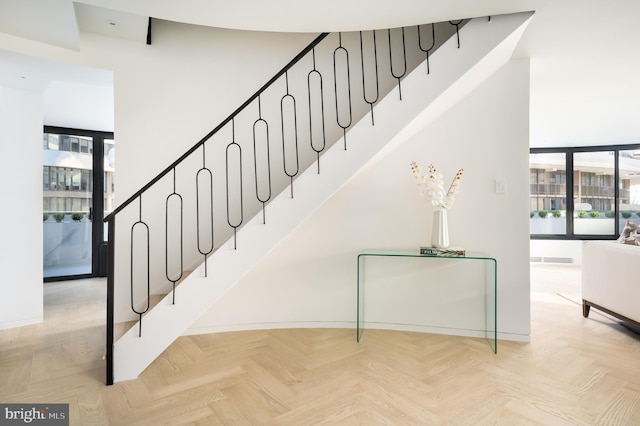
[189, 236]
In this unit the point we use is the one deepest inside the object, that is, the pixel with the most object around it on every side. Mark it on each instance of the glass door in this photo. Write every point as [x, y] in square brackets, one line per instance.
[75, 171]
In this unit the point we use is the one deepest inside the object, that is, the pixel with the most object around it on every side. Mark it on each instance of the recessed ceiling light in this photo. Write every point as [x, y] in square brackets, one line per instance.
[111, 23]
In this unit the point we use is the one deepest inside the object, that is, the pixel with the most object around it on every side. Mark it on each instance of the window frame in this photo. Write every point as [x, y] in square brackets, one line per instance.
[96, 183]
[569, 188]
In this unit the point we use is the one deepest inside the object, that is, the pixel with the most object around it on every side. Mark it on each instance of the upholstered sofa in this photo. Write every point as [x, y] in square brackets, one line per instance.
[610, 279]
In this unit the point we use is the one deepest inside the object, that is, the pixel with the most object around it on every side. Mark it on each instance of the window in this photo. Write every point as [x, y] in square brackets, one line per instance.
[548, 193]
[75, 179]
[629, 186]
[46, 177]
[73, 164]
[593, 193]
[70, 179]
[50, 142]
[85, 184]
[69, 143]
[585, 192]
[75, 144]
[65, 143]
[68, 175]
[84, 146]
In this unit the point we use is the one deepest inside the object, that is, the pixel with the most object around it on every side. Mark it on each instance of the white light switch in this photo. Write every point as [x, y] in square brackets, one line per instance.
[501, 186]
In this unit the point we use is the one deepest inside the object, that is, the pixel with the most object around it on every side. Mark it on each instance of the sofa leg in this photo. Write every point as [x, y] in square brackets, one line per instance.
[585, 309]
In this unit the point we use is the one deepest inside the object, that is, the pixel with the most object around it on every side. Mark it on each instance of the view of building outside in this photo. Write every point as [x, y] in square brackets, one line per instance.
[67, 181]
[630, 181]
[109, 182]
[548, 192]
[593, 191]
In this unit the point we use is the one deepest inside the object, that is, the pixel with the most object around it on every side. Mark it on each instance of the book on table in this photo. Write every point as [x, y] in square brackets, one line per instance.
[437, 251]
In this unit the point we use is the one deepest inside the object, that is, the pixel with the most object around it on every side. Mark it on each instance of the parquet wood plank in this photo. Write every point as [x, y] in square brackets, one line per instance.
[15, 377]
[282, 367]
[328, 407]
[624, 409]
[265, 386]
[211, 373]
[238, 408]
[575, 371]
[91, 409]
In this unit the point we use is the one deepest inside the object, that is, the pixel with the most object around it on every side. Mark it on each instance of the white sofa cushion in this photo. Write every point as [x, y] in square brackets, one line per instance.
[610, 276]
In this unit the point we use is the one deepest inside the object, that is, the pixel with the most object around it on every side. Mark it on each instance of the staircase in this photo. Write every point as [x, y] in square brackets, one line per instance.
[476, 49]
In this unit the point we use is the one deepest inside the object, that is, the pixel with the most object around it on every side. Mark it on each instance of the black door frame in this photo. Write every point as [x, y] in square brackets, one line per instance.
[98, 245]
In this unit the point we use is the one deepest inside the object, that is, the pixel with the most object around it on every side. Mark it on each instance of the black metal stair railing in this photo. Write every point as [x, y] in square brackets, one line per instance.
[427, 50]
[207, 181]
[263, 192]
[342, 85]
[233, 149]
[140, 224]
[218, 196]
[289, 127]
[175, 276]
[316, 120]
[373, 64]
[403, 69]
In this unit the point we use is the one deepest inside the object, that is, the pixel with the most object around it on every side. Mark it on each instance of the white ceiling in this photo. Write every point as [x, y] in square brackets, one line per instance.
[584, 53]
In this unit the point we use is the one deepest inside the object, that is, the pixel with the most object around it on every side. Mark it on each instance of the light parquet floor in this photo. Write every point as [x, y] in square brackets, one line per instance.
[573, 372]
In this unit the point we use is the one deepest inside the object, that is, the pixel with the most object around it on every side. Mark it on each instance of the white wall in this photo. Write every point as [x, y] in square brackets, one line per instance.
[557, 251]
[171, 93]
[166, 96]
[25, 107]
[21, 215]
[309, 279]
[228, 67]
[79, 105]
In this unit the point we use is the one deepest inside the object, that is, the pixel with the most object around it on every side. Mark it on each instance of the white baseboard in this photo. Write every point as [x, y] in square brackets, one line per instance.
[352, 325]
[20, 323]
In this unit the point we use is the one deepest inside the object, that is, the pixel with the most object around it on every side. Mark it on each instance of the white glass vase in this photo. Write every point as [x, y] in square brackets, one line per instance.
[440, 230]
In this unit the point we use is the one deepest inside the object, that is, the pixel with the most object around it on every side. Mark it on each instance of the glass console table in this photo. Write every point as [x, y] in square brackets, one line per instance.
[490, 285]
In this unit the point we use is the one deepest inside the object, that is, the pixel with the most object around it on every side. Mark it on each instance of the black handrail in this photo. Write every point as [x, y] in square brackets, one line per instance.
[224, 122]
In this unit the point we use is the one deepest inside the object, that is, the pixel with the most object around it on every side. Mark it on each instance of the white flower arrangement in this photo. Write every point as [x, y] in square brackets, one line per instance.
[432, 187]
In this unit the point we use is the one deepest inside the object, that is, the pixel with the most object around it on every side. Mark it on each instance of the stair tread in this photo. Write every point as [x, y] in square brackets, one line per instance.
[120, 328]
[184, 276]
[154, 299]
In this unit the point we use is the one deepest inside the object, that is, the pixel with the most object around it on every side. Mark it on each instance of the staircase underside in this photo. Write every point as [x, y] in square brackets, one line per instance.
[487, 46]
